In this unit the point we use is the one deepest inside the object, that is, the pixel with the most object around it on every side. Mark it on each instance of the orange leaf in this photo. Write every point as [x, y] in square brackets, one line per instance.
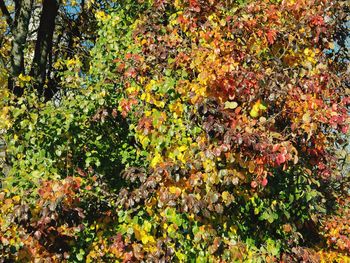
[271, 36]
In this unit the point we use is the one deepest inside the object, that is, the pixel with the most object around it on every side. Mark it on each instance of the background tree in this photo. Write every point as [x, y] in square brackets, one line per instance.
[40, 34]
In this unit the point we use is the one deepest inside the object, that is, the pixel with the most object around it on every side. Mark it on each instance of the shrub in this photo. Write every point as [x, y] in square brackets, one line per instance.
[225, 118]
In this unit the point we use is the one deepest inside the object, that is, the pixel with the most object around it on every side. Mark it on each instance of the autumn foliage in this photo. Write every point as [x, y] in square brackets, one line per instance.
[204, 131]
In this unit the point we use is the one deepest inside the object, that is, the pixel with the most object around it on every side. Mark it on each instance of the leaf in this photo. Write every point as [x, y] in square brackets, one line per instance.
[225, 195]
[80, 255]
[281, 158]
[264, 182]
[271, 36]
[231, 105]
[251, 167]
[262, 106]
[306, 118]
[156, 159]
[254, 113]
[58, 152]
[257, 108]
[145, 239]
[24, 78]
[253, 184]
[175, 190]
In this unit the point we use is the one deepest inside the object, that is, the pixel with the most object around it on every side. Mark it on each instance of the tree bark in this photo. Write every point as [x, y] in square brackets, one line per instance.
[43, 46]
[19, 32]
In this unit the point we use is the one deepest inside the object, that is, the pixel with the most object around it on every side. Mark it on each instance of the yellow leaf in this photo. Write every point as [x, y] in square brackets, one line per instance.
[145, 239]
[231, 105]
[233, 229]
[16, 199]
[182, 148]
[156, 159]
[254, 113]
[257, 107]
[225, 195]
[24, 78]
[144, 141]
[70, 62]
[100, 15]
[306, 118]
[147, 226]
[159, 104]
[175, 190]
[251, 167]
[262, 107]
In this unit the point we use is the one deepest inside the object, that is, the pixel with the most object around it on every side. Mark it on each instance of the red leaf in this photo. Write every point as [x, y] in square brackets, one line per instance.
[275, 147]
[345, 129]
[253, 184]
[281, 158]
[317, 21]
[271, 36]
[130, 73]
[194, 5]
[264, 182]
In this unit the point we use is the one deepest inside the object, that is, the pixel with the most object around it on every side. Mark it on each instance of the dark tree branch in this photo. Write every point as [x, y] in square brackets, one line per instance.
[17, 11]
[19, 32]
[82, 6]
[43, 45]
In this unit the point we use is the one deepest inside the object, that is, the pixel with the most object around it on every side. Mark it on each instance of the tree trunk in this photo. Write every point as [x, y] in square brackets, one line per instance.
[19, 32]
[43, 46]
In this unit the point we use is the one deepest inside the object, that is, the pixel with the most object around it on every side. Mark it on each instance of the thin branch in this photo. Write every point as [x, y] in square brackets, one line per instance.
[82, 6]
[6, 13]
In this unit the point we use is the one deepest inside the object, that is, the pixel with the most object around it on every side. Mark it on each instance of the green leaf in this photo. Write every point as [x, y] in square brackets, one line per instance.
[80, 255]
[58, 152]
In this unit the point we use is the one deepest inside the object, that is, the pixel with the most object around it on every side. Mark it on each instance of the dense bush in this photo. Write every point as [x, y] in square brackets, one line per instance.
[204, 131]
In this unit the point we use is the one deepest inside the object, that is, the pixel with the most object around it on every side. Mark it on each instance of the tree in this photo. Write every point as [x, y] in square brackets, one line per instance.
[43, 34]
[203, 130]
[44, 41]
